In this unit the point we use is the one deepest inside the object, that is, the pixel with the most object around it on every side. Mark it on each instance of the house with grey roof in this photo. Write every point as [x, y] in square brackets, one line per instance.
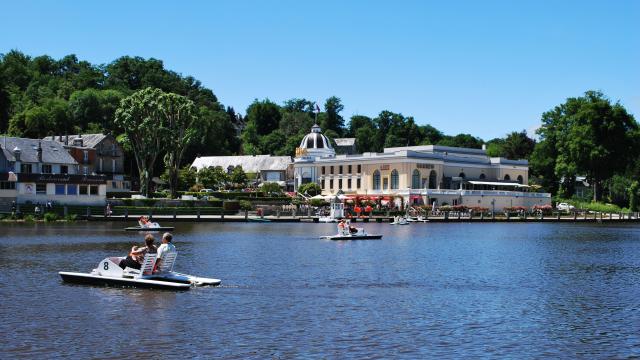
[266, 167]
[40, 171]
[99, 154]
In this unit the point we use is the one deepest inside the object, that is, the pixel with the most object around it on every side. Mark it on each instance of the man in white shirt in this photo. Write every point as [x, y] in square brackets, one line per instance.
[165, 248]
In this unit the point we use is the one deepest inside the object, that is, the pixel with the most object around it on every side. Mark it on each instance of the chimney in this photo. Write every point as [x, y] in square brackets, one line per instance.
[16, 153]
[484, 147]
[40, 151]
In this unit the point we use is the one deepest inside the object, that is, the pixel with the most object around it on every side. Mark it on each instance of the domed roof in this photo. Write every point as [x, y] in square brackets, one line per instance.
[315, 140]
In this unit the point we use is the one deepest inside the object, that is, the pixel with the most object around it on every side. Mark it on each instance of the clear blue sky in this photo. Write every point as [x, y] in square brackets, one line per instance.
[479, 67]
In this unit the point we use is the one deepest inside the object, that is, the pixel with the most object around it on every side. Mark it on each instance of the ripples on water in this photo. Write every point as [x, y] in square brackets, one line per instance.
[425, 290]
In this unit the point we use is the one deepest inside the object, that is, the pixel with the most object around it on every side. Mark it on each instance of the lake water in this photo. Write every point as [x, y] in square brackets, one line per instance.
[425, 290]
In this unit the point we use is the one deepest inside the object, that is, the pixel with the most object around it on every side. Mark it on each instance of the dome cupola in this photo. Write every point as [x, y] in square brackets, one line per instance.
[315, 144]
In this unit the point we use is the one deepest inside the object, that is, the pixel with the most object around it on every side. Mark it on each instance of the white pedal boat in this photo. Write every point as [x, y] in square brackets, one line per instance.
[399, 221]
[110, 273]
[360, 234]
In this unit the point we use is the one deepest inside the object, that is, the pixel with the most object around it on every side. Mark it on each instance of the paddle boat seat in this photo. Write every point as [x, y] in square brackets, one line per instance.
[167, 262]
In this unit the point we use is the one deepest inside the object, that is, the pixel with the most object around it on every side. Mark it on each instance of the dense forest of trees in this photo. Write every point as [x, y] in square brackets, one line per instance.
[41, 96]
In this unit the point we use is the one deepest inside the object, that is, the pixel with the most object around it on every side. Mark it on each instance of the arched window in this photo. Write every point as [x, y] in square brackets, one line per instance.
[376, 180]
[507, 177]
[415, 179]
[483, 176]
[462, 175]
[520, 179]
[395, 179]
[433, 179]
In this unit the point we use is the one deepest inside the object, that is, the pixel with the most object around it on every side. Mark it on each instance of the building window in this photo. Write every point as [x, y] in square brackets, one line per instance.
[126, 185]
[322, 183]
[376, 180]
[415, 179]
[359, 168]
[483, 176]
[113, 165]
[94, 190]
[85, 156]
[520, 179]
[72, 189]
[339, 183]
[385, 183]
[64, 169]
[85, 170]
[41, 188]
[323, 170]
[7, 185]
[349, 184]
[358, 183]
[84, 190]
[46, 169]
[350, 169]
[433, 179]
[331, 169]
[114, 184]
[395, 179]
[340, 169]
[60, 189]
[330, 184]
[25, 168]
[507, 177]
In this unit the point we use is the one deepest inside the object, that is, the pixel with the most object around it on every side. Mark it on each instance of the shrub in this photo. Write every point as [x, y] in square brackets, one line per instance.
[50, 217]
[71, 217]
[318, 202]
[231, 205]
[445, 208]
[245, 205]
[29, 218]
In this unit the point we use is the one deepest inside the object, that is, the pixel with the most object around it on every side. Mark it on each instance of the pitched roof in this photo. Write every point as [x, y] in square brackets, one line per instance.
[88, 140]
[249, 163]
[52, 151]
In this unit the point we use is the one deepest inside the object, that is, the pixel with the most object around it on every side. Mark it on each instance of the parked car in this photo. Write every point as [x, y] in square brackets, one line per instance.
[565, 207]
[206, 191]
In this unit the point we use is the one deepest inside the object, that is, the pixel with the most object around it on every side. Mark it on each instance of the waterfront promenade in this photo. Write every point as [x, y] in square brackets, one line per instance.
[578, 218]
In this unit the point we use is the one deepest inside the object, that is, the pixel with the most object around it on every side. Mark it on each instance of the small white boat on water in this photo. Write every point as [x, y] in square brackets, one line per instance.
[399, 220]
[327, 219]
[350, 234]
[110, 273]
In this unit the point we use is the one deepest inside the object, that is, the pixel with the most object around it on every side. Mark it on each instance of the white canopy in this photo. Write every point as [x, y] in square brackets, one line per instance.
[493, 183]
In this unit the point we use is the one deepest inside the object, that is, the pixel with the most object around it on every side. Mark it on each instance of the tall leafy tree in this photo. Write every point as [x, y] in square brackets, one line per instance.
[182, 129]
[593, 137]
[143, 122]
[331, 119]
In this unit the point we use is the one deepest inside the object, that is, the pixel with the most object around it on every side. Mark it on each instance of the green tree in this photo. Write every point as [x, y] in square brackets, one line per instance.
[264, 115]
[593, 137]
[634, 194]
[310, 189]
[462, 140]
[213, 177]
[143, 123]
[238, 177]
[331, 119]
[271, 188]
[182, 129]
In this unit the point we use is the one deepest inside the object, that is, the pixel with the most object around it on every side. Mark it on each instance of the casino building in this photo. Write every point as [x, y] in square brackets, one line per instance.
[424, 174]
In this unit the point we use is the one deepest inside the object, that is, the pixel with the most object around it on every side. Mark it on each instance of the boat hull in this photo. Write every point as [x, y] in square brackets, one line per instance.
[90, 279]
[352, 237]
[161, 228]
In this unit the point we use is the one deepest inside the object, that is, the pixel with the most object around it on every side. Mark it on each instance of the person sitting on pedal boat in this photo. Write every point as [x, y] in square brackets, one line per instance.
[136, 256]
[165, 248]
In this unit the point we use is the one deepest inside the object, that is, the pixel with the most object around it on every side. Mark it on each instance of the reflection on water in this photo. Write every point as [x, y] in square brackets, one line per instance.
[425, 290]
